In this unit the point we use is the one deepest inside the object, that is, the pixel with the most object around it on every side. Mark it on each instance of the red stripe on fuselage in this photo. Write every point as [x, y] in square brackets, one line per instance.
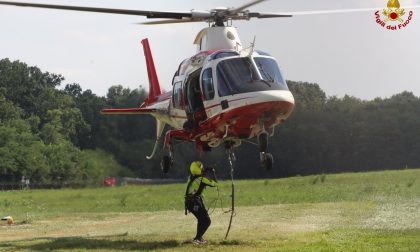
[244, 121]
[218, 104]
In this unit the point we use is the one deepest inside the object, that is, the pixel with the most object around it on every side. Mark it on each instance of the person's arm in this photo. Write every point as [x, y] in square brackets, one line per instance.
[208, 182]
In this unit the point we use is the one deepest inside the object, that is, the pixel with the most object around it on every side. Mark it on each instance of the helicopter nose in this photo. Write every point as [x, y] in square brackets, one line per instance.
[283, 96]
[280, 103]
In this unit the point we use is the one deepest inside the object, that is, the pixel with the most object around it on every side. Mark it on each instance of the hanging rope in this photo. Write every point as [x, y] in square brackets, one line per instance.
[232, 159]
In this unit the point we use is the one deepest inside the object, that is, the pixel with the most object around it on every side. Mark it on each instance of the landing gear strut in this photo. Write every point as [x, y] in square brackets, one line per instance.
[263, 142]
[167, 160]
[266, 159]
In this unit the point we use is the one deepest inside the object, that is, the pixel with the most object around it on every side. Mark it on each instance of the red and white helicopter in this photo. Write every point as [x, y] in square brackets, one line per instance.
[221, 95]
[224, 94]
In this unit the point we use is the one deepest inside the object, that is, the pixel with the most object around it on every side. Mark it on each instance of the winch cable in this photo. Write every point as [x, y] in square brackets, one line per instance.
[232, 160]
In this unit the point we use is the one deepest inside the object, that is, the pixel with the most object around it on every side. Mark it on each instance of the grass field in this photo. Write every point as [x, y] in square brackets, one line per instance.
[377, 211]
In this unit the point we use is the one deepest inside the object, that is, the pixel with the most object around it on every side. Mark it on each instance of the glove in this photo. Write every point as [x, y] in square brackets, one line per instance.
[211, 172]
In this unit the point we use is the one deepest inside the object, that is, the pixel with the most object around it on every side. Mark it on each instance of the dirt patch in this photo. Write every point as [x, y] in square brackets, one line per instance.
[266, 221]
[397, 215]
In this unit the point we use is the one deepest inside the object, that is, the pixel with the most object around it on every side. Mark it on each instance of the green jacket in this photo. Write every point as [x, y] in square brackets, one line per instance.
[198, 182]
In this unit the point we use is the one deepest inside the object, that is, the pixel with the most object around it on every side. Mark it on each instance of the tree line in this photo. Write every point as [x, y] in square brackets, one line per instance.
[58, 136]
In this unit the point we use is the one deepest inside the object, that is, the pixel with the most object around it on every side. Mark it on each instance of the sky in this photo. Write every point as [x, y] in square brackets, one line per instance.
[347, 53]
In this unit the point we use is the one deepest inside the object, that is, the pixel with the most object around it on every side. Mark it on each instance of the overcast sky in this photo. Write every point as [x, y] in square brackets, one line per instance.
[344, 53]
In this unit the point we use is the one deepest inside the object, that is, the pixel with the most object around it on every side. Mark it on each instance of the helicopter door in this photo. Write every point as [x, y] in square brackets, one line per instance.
[194, 100]
[207, 86]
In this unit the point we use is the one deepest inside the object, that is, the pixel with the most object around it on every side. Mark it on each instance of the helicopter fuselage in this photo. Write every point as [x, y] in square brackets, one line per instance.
[225, 95]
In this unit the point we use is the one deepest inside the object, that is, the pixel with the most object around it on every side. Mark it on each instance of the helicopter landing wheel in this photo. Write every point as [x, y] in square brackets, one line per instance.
[166, 164]
[267, 161]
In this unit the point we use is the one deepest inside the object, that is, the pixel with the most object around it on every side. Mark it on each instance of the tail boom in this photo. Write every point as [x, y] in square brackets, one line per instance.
[128, 111]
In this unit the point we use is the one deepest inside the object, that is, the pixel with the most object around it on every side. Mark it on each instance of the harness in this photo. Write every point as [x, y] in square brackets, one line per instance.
[193, 197]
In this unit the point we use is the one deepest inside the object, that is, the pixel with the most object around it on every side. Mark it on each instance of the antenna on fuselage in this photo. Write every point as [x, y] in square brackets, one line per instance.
[252, 47]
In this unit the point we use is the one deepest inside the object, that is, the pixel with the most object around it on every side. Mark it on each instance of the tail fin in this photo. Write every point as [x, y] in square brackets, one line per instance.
[154, 86]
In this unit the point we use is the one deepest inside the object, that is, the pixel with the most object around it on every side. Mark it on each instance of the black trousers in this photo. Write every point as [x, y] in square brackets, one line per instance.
[196, 206]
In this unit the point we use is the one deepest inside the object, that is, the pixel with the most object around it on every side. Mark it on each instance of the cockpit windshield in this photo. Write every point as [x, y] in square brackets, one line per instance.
[269, 70]
[238, 75]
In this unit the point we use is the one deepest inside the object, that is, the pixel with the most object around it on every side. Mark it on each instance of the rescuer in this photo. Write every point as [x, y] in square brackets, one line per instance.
[198, 180]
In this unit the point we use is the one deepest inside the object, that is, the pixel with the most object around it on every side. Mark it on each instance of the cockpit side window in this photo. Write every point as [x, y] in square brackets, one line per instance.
[177, 95]
[207, 84]
[269, 70]
[233, 73]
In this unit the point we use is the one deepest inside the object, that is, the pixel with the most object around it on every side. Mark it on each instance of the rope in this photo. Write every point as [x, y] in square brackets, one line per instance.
[213, 204]
[232, 210]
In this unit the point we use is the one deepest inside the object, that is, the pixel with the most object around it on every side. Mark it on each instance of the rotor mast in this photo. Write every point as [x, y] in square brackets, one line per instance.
[218, 38]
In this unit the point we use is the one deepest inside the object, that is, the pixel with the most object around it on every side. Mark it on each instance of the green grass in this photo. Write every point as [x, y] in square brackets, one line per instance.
[375, 211]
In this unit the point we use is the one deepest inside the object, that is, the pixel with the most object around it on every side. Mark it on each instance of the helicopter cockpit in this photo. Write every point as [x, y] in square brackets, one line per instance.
[220, 75]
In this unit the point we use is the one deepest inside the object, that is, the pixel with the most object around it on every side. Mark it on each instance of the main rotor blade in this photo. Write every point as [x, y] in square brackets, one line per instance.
[245, 6]
[148, 14]
[267, 15]
[320, 12]
[171, 21]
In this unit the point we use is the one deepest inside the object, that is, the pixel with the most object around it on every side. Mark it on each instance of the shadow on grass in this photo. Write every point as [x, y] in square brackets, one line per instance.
[81, 243]
[232, 243]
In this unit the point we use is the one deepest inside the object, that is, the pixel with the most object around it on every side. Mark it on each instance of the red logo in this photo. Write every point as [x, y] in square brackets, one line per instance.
[393, 17]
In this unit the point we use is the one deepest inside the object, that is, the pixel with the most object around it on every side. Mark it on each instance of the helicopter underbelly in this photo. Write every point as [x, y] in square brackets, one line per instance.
[241, 116]
[246, 116]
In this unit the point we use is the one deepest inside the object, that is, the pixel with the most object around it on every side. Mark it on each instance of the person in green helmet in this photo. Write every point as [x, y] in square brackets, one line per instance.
[198, 180]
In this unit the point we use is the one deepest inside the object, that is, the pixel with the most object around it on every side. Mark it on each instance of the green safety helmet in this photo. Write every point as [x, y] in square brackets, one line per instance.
[196, 168]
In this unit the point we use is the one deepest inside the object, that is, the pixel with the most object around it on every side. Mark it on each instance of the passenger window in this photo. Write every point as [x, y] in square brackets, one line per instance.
[207, 83]
[177, 95]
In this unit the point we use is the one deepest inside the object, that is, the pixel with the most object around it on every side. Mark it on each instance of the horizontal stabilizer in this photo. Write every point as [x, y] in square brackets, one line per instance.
[128, 111]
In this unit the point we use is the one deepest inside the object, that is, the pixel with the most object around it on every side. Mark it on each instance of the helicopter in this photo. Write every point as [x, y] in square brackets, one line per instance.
[225, 94]
[221, 95]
